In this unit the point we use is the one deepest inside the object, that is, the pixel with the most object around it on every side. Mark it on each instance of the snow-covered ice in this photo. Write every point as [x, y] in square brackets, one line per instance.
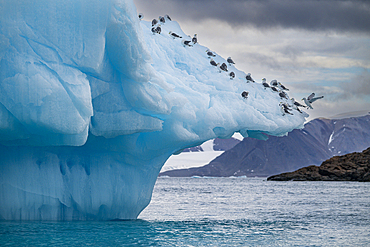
[187, 160]
[92, 104]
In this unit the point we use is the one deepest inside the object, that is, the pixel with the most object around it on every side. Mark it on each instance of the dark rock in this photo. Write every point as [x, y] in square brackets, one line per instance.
[349, 167]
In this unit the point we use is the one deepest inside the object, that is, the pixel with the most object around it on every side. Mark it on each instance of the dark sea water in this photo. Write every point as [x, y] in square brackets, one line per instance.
[221, 212]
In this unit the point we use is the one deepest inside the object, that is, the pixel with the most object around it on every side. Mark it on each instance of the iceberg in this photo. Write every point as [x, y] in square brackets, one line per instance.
[92, 104]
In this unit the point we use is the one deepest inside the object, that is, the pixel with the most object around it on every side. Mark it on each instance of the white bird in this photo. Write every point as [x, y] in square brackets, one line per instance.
[310, 99]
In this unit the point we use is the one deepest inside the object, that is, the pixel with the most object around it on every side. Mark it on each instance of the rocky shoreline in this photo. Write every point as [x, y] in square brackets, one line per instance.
[349, 167]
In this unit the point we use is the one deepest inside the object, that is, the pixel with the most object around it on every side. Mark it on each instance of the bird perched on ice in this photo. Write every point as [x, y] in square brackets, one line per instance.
[274, 83]
[194, 39]
[232, 75]
[185, 42]
[245, 94]
[297, 104]
[141, 16]
[168, 17]
[282, 87]
[274, 89]
[310, 99]
[154, 31]
[212, 62]
[282, 94]
[249, 78]
[223, 67]
[157, 29]
[174, 35]
[154, 22]
[230, 61]
[162, 20]
[264, 83]
[284, 109]
[210, 54]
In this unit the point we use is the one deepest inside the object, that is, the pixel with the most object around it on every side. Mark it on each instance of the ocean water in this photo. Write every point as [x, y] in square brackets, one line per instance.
[221, 212]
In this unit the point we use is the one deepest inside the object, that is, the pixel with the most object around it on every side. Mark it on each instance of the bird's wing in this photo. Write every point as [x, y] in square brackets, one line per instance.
[311, 96]
[307, 103]
[314, 99]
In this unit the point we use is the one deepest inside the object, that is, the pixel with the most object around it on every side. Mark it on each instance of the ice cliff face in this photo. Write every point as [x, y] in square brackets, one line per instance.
[92, 104]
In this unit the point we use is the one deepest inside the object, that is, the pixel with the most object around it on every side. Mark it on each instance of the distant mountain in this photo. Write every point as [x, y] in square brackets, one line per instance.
[319, 140]
[350, 167]
[200, 155]
[214, 145]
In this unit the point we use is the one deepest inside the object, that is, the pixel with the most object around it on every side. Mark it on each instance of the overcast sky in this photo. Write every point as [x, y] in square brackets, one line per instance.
[309, 45]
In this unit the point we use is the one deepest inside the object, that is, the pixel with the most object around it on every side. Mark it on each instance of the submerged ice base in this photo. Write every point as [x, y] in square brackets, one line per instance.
[92, 104]
[74, 183]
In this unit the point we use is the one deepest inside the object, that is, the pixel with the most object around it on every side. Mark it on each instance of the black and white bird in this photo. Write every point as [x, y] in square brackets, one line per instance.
[282, 87]
[249, 78]
[157, 29]
[284, 109]
[162, 20]
[174, 35]
[230, 61]
[154, 22]
[274, 83]
[310, 99]
[245, 94]
[185, 42]
[194, 39]
[282, 94]
[213, 63]
[210, 54]
[168, 17]
[297, 104]
[285, 105]
[223, 67]
[264, 83]
[295, 107]
[232, 75]
[274, 89]
[141, 16]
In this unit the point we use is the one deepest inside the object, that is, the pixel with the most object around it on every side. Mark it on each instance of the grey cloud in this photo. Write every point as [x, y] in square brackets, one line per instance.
[262, 60]
[358, 87]
[313, 15]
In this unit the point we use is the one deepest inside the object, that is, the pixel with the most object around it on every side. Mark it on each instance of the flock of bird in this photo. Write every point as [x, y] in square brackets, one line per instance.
[286, 105]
